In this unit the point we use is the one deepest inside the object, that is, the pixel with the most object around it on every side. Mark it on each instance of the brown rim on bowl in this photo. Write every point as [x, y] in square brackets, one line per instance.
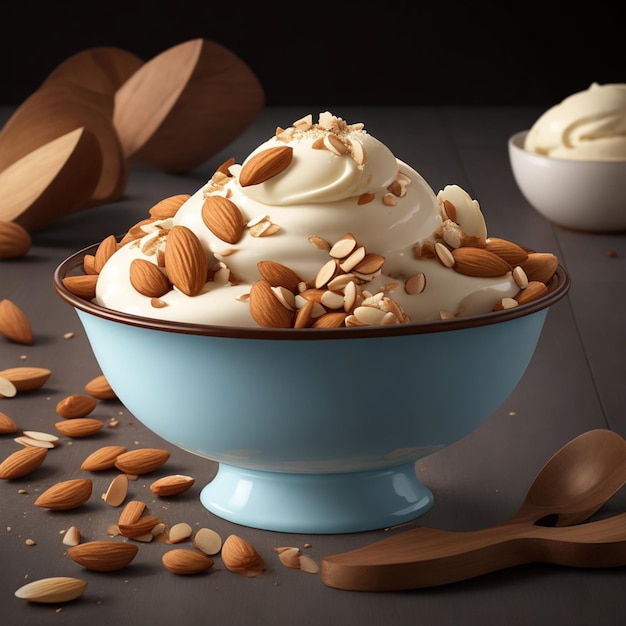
[557, 289]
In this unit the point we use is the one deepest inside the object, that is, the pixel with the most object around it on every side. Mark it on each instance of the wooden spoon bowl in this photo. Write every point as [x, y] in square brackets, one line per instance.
[185, 105]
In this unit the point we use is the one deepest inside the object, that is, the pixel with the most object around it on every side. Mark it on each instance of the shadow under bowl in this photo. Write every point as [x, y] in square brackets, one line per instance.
[314, 431]
[579, 195]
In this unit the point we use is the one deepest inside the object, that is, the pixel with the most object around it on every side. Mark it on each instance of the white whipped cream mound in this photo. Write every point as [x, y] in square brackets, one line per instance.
[589, 126]
[340, 182]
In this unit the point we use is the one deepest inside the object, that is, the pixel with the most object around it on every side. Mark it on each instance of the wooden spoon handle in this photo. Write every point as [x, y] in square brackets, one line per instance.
[426, 557]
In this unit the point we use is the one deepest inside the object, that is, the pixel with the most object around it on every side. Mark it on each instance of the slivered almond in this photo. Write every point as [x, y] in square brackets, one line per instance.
[478, 262]
[79, 427]
[52, 590]
[22, 462]
[83, 286]
[279, 275]
[141, 461]
[7, 425]
[104, 252]
[14, 324]
[76, 405]
[171, 485]
[289, 557]
[168, 207]
[540, 266]
[184, 561]
[223, 218]
[103, 556]
[147, 279]
[186, 261]
[265, 165]
[266, 310]
[26, 378]
[65, 495]
[100, 388]
[102, 458]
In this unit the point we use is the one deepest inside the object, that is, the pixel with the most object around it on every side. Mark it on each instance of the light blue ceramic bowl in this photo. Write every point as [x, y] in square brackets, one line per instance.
[315, 431]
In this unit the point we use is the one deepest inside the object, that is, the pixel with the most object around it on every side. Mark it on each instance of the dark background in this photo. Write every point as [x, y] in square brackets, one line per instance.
[346, 52]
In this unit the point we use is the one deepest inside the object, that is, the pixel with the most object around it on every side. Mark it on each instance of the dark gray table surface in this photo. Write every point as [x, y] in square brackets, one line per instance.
[574, 383]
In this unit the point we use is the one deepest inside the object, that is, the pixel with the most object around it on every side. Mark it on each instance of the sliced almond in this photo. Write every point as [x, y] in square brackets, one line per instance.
[65, 495]
[117, 491]
[71, 536]
[179, 532]
[103, 556]
[290, 557]
[208, 541]
[39, 436]
[52, 590]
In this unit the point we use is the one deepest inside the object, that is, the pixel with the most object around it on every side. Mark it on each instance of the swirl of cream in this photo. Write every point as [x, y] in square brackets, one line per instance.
[320, 175]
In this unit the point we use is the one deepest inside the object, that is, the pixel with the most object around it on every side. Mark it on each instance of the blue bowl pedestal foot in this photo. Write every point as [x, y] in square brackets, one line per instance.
[317, 503]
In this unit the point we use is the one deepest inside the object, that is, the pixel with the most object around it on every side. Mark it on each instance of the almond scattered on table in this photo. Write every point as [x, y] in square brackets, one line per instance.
[65, 495]
[76, 405]
[14, 324]
[171, 485]
[22, 462]
[103, 556]
[52, 590]
[142, 460]
[240, 557]
[78, 427]
[185, 561]
[102, 459]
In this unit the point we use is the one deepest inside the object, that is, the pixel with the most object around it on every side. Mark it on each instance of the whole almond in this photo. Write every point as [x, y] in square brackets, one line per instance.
[141, 461]
[223, 218]
[511, 252]
[82, 285]
[79, 427]
[76, 405]
[14, 324]
[52, 590]
[102, 459]
[265, 165]
[240, 557]
[100, 388]
[534, 290]
[279, 275]
[266, 310]
[132, 512]
[22, 462]
[184, 561]
[65, 495]
[7, 425]
[26, 378]
[540, 266]
[104, 252]
[148, 279]
[15, 240]
[168, 206]
[479, 262]
[171, 485]
[103, 556]
[186, 261]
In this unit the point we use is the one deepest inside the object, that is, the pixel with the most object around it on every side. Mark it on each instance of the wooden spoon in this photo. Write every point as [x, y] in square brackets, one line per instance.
[95, 74]
[53, 111]
[571, 486]
[186, 104]
[52, 181]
